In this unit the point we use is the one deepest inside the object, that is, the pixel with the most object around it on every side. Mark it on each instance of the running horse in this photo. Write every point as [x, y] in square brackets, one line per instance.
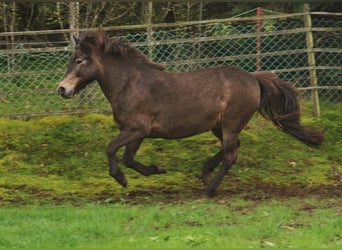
[149, 102]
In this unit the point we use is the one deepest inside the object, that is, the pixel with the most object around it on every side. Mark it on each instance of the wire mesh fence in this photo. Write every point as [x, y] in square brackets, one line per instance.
[29, 72]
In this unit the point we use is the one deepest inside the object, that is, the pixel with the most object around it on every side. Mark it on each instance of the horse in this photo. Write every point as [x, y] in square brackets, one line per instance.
[149, 102]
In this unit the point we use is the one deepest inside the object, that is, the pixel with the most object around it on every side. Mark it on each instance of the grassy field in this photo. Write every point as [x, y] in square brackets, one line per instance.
[55, 190]
[230, 223]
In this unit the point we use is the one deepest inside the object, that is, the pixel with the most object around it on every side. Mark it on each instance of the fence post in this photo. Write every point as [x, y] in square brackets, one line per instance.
[311, 59]
[149, 13]
[10, 40]
[258, 41]
[74, 15]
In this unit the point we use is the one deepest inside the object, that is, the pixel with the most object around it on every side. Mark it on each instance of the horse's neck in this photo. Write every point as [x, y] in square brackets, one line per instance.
[113, 81]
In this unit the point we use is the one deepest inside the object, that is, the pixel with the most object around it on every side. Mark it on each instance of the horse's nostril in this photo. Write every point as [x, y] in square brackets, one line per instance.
[61, 90]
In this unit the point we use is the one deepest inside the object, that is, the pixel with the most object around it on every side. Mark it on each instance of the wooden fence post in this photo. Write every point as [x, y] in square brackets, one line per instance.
[258, 40]
[149, 14]
[311, 59]
[74, 15]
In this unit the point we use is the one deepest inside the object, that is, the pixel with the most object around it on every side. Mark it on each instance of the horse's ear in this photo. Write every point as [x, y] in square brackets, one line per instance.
[101, 37]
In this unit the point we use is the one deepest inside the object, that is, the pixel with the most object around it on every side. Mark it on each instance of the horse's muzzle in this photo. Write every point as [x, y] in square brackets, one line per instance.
[62, 91]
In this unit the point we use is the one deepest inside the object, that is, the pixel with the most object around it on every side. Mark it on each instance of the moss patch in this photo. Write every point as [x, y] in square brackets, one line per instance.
[63, 158]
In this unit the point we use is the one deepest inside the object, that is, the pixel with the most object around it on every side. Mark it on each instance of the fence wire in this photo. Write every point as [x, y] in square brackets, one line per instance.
[28, 74]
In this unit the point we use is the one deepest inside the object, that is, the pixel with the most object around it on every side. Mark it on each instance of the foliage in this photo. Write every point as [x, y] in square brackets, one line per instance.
[19, 16]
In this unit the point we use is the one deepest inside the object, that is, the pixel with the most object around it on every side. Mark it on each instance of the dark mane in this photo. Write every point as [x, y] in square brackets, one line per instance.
[122, 48]
[115, 47]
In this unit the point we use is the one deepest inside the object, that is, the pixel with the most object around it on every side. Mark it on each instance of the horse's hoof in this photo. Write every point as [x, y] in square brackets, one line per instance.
[158, 170]
[205, 179]
[209, 192]
[121, 179]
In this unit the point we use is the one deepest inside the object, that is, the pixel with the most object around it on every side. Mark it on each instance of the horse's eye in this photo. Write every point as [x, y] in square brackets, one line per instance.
[78, 61]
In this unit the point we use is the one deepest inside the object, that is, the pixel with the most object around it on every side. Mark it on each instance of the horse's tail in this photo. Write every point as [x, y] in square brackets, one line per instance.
[279, 103]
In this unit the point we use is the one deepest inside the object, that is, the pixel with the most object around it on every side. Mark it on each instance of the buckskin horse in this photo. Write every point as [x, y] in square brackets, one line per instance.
[149, 102]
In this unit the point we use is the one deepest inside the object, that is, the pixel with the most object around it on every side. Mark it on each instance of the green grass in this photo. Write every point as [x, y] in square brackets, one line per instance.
[198, 223]
[55, 190]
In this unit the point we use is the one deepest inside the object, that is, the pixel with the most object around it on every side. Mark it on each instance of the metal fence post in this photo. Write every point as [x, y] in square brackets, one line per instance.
[311, 59]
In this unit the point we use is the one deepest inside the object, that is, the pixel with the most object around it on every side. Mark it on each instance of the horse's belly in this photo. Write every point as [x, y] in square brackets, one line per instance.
[176, 133]
[188, 126]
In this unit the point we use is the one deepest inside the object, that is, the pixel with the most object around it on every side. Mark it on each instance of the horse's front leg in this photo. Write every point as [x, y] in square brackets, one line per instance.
[129, 161]
[125, 137]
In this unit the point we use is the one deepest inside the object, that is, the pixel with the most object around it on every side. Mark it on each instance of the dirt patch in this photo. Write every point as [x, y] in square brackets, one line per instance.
[258, 191]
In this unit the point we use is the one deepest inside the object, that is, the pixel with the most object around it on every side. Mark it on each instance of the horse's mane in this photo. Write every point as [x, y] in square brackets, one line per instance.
[115, 47]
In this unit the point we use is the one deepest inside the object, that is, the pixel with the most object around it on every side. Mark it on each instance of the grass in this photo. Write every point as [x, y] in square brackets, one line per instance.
[55, 190]
[198, 223]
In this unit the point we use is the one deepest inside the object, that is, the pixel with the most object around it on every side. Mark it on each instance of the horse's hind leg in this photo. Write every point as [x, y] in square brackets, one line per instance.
[210, 165]
[230, 146]
[129, 161]
[213, 162]
[232, 124]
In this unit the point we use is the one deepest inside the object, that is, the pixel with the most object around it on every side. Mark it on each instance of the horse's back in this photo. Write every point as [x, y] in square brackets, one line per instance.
[223, 85]
[225, 76]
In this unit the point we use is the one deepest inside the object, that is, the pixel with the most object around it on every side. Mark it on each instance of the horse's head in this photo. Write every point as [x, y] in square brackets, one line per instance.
[85, 63]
